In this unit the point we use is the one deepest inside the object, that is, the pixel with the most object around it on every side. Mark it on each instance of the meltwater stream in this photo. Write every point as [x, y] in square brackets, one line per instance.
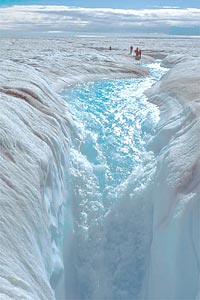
[107, 248]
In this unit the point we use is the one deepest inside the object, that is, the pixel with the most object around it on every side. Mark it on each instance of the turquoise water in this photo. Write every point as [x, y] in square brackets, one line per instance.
[117, 121]
[110, 178]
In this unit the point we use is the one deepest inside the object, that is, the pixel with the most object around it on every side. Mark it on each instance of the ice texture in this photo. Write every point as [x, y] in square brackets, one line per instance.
[36, 130]
[34, 137]
[174, 267]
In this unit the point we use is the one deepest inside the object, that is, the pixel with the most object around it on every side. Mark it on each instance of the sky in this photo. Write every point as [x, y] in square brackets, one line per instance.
[94, 17]
[126, 4]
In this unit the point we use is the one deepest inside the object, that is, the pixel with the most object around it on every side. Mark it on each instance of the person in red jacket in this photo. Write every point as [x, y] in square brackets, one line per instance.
[138, 53]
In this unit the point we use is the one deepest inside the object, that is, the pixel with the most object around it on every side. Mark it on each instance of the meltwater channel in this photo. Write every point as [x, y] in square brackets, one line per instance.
[109, 218]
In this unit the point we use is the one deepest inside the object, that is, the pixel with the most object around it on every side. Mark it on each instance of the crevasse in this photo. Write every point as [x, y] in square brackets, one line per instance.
[35, 134]
[110, 173]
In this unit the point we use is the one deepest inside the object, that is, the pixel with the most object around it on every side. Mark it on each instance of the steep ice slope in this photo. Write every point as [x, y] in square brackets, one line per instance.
[34, 137]
[174, 270]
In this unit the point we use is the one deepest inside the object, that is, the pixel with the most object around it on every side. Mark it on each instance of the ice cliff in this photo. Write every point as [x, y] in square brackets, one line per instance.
[174, 270]
[34, 137]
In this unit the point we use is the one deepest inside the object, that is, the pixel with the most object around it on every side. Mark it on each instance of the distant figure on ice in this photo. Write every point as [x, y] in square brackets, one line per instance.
[110, 48]
[131, 50]
[138, 54]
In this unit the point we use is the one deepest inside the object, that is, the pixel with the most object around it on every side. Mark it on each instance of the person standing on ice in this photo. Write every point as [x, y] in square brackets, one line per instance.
[138, 53]
[131, 50]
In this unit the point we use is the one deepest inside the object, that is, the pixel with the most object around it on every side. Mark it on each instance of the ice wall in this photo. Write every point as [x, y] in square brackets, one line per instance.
[34, 137]
[174, 270]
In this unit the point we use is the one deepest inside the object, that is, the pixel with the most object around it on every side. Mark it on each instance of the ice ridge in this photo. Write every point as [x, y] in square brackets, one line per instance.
[175, 249]
[34, 137]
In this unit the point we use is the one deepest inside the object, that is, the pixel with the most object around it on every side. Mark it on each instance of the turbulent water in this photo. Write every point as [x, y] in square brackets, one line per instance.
[111, 168]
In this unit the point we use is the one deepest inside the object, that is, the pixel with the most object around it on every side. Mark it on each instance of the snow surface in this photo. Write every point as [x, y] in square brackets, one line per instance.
[36, 132]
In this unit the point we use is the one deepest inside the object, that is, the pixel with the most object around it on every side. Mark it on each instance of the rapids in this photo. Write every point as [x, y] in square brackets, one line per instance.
[111, 170]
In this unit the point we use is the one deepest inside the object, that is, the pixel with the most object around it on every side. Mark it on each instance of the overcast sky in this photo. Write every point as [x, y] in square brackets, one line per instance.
[124, 17]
